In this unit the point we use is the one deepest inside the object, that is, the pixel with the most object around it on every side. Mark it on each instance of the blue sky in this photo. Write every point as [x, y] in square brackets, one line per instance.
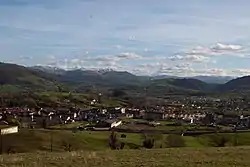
[146, 37]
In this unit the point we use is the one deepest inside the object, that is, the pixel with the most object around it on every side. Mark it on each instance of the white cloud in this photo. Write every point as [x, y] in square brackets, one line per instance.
[117, 57]
[218, 49]
[117, 46]
[226, 47]
[151, 68]
[201, 54]
[241, 72]
[190, 58]
[103, 58]
[130, 56]
[188, 71]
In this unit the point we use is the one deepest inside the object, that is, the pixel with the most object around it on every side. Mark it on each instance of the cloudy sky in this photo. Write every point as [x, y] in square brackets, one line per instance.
[146, 37]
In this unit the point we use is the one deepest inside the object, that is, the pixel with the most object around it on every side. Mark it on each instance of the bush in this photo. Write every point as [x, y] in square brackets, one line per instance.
[123, 136]
[13, 121]
[11, 150]
[173, 140]
[45, 123]
[122, 145]
[118, 93]
[133, 146]
[148, 141]
[114, 143]
[67, 146]
[218, 140]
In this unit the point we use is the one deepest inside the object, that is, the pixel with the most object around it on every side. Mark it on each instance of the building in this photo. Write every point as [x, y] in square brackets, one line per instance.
[6, 129]
[244, 122]
[227, 119]
[110, 123]
[155, 115]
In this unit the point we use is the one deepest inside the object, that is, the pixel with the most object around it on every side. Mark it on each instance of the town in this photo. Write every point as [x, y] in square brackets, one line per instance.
[189, 113]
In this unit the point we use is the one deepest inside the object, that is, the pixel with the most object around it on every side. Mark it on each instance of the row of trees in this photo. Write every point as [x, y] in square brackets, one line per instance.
[173, 140]
[148, 141]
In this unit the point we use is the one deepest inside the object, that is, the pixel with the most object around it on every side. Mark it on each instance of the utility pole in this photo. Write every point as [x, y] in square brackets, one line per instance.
[51, 142]
[235, 137]
[1, 138]
[146, 99]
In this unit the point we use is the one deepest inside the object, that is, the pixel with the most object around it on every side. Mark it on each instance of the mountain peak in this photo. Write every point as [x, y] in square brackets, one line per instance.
[105, 70]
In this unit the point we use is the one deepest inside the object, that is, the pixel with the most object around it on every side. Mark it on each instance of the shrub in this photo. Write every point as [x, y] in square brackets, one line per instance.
[123, 136]
[218, 140]
[174, 140]
[67, 146]
[148, 141]
[133, 146]
[118, 93]
[45, 123]
[11, 150]
[114, 143]
[122, 145]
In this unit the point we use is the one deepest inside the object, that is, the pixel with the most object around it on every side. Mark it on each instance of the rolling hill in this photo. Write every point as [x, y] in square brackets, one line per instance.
[43, 78]
[238, 85]
[13, 76]
[203, 78]
[214, 79]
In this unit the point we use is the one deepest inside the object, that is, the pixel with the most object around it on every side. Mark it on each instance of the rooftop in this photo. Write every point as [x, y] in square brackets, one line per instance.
[5, 126]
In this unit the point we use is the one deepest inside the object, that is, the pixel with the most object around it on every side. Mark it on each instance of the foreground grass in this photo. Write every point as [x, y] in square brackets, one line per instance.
[183, 157]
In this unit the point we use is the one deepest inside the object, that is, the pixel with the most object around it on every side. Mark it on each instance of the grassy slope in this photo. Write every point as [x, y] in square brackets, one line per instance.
[19, 77]
[79, 99]
[40, 140]
[183, 157]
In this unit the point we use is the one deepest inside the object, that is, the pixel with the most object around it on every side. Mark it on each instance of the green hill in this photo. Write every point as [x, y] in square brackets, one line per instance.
[15, 77]
[178, 157]
[239, 84]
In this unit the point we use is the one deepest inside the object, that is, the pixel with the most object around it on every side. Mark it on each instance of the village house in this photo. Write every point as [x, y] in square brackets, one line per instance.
[110, 123]
[223, 119]
[155, 115]
[135, 113]
[244, 122]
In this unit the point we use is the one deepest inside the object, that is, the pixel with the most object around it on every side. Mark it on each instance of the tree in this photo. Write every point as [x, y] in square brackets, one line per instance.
[118, 93]
[13, 121]
[148, 141]
[113, 141]
[45, 123]
[67, 146]
[174, 140]
[218, 140]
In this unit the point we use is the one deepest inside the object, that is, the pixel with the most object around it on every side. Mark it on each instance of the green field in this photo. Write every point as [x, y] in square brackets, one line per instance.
[41, 140]
[177, 157]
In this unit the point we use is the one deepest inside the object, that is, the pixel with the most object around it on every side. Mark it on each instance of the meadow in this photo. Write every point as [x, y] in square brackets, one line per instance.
[177, 157]
[57, 140]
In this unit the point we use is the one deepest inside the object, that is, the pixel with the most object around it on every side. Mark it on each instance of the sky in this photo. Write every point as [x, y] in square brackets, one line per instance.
[145, 37]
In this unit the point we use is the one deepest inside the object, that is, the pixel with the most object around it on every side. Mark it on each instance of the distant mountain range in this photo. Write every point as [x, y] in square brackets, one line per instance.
[55, 79]
[207, 79]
